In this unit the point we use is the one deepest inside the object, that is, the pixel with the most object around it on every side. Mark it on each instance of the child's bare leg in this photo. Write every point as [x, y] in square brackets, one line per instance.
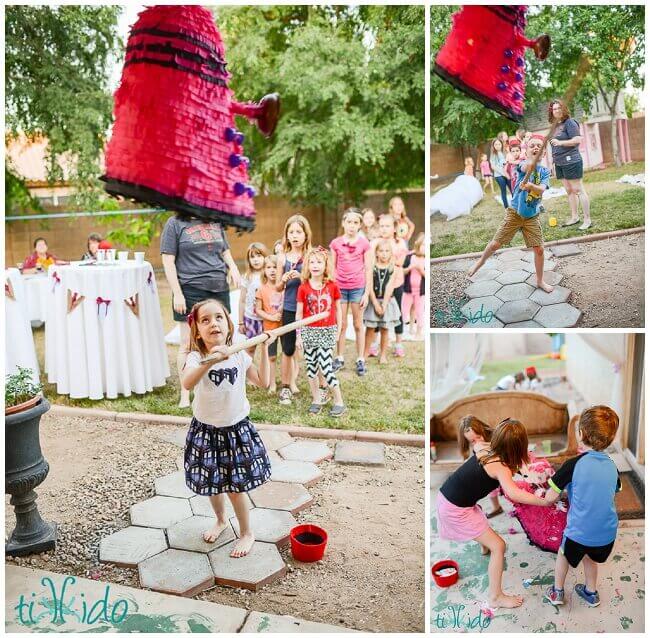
[496, 507]
[487, 253]
[497, 547]
[539, 269]
[272, 387]
[294, 376]
[383, 345]
[181, 355]
[239, 502]
[314, 389]
[336, 394]
[591, 574]
[370, 337]
[357, 322]
[561, 570]
[492, 185]
[340, 346]
[218, 502]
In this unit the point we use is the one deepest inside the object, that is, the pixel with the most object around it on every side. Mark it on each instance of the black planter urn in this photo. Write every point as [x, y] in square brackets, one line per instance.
[26, 469]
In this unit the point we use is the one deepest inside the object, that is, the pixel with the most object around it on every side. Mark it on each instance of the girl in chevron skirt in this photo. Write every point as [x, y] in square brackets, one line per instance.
[224, 453]
[318, 293]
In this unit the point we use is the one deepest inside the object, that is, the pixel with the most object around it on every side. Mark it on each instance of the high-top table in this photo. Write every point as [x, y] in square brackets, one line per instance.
[19, 341]
[104, 334]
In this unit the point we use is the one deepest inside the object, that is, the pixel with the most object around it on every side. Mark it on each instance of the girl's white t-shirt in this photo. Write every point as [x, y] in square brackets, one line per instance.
[220, 396]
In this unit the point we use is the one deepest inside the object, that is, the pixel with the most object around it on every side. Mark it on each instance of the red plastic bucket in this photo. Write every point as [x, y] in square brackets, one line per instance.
[445, 581]
[308, 543]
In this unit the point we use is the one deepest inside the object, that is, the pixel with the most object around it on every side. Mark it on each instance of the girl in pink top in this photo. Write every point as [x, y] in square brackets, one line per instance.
[413, 297]
[352, 265]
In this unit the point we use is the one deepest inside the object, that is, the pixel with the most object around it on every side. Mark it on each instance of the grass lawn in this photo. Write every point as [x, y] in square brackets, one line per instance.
[613, 207]
[495, 370]
[388, 398]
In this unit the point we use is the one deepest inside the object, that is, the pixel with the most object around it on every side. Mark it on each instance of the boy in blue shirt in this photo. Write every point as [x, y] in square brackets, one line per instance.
[523, 213]
[591, 480]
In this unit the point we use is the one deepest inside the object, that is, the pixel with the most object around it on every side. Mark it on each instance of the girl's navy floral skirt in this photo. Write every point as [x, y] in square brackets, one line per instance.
[225, 459]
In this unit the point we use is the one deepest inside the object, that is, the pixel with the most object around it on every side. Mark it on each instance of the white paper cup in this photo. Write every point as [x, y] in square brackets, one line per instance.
[111, 254]
[139, 258]
[123, 255]
[101, 254]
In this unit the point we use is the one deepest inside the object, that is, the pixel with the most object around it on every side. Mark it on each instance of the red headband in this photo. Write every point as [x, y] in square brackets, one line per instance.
[537, 136]
[514, 141]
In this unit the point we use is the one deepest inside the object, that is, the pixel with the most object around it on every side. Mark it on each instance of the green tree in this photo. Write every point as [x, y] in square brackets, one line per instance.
[596, 51]
[351, 81]
[56, 86]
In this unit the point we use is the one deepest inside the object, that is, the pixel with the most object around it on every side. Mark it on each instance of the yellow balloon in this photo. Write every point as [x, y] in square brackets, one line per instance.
[552, 221]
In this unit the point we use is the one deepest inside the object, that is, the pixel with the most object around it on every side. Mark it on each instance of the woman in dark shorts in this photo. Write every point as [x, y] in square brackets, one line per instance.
[568, 161]
[197, 262]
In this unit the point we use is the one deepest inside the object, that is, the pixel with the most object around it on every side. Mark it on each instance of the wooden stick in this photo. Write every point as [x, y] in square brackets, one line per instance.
[265, 336]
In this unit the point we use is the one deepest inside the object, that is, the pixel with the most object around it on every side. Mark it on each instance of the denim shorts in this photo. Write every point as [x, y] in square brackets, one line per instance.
[352, 295]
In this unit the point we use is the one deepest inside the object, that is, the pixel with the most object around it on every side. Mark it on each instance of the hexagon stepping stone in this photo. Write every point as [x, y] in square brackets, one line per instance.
[525, 324]
[274, 439]
[566, 250]
[482, 288]
[188, 534]
[295, 472]
[132, 545]
[312, 451]
[513, 292]
[262, 565]
[177, 572]
[558, 295]
[177, 436]
[269, 526]
[291, 497]
[550, 277]
[510, 255]
[548, 265]
[514, 311]
[484, 274]
[160, 512]
[478, 308]
[359, 453]
[513, 277]
[492, 323]
[173, 485]
[201, 506]
[512, 264]
[559, 315]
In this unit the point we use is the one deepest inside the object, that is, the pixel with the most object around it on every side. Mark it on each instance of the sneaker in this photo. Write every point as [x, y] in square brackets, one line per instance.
[314, 408]
[339, 363]
[361, 367]
[554, 596]
[324, 395]
[398, 350]
[337, 410]
[285, 396]
[591, 598]
[374, 350]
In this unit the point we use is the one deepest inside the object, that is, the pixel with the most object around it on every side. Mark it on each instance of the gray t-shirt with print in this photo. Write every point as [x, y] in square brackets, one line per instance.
[198, 246]
[565, 155]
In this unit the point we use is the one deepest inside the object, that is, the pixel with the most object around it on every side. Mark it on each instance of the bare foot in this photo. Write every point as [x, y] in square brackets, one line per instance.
[211, 535]
[471, 272]
[294, 389]
[544, 286]
[243, 545]
[383, 359]
[273, 390]
[506, 601]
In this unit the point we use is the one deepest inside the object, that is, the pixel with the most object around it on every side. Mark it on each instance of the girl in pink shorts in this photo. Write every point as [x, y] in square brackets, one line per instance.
[460, 518]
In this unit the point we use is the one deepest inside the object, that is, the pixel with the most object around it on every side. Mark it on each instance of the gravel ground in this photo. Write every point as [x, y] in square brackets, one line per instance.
[372, 575]
[448, 283]
[607, 282]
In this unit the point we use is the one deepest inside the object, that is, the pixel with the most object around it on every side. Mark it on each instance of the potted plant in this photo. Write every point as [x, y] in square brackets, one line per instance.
[25, 467]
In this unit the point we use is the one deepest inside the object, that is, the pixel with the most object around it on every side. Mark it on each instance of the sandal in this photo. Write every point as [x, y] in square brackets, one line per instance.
[566, 224]
[585, 226]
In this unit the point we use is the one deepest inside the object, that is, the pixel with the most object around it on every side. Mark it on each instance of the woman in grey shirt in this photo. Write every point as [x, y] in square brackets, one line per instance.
[197, 261]
[565, 142]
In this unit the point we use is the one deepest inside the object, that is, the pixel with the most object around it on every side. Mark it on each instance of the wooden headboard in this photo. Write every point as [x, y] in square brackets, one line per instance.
[538, 413]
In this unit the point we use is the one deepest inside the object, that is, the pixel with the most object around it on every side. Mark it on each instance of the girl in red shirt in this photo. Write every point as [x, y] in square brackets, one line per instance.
[318, 293]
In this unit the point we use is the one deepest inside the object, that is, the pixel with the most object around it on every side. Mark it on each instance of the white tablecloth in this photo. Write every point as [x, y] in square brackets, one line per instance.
[103, 349]
[37, 291]
[19, 342]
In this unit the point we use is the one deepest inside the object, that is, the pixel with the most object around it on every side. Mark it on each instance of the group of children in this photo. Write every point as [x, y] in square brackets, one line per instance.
[368, 272]
[591, 480]
[527, 381]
